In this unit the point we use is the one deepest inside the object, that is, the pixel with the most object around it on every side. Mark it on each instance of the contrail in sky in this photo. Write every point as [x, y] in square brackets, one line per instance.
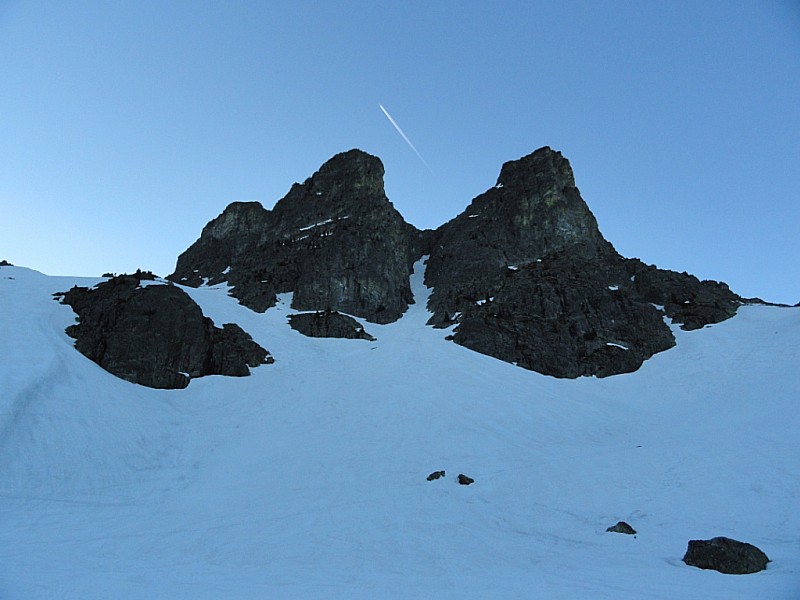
[405, 137]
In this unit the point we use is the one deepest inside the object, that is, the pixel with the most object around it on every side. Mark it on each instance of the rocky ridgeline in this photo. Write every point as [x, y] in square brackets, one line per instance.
[523, 274]
[155, 334]
[335, 241]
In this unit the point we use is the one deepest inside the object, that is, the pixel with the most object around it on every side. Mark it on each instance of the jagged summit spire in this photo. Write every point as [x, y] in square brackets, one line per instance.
[334, 240]
[354, 172]
[535, 210]
[543, 161]
[355, 162]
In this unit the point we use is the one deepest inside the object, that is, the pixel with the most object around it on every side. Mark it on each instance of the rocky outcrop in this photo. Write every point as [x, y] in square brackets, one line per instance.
[622, 527]
[5, 263]
[526, 277]
[683, 298]
[335, 241]
[533, 211]
[436, 475]
[726, 556]
[329, 324]
[464, 480]
[156, 335]
[523, 274]
[565, 316]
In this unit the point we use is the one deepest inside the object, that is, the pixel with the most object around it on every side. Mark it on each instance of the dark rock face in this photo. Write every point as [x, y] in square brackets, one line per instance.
[464, 480]
[329, 324]
[534, 210]
[524, 273]
[622, 527]
[527, 277]
[726, 556]
[5, 263]
[156, 335]
[567, 317]
[335, 241]
[435, 475]
[686, 299]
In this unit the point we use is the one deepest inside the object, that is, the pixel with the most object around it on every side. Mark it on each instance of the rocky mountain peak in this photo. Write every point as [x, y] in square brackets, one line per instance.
[348, 185]
[545, 164]
[334, 240]
[534, 211]
[238, 217]
[541, 190]
[348, 172]
[523, 274]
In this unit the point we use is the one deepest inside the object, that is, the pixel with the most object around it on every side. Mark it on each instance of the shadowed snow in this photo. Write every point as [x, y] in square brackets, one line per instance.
[308, 478]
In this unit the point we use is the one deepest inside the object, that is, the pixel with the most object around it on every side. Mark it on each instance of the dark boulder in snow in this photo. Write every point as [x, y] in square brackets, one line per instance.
[622, 527]
[329, 324]
[335, 240]
[726, 556]
[5, 263]
[464, 480]
[435, 475]
[156, 335]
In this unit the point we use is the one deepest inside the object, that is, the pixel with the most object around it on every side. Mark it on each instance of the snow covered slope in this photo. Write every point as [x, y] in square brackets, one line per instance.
[308, 478]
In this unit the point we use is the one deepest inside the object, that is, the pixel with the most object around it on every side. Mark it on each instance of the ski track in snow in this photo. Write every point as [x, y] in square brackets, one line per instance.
[307, 479]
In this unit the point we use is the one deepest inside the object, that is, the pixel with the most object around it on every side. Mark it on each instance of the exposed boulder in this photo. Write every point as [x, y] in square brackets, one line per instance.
[464, 480]
[335, 241]
[329, 324]
[436, 475]
[5, 263]
[726, 556]
[156, 335]
[622, 527]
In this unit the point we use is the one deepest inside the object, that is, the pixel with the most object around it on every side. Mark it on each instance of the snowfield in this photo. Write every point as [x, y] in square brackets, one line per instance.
[308, 478]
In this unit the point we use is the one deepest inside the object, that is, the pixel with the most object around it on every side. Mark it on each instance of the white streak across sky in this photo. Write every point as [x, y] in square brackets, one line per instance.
[405, 137]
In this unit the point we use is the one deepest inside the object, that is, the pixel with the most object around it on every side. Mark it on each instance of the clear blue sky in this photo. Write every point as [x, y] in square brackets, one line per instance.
[126, 126]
